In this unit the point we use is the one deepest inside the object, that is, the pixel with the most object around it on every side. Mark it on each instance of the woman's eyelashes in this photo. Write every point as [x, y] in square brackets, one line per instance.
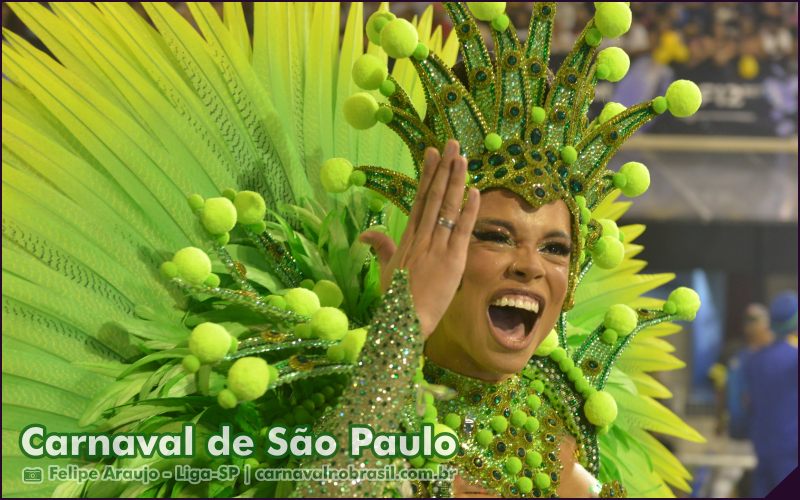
[557, 248]
[492, 236]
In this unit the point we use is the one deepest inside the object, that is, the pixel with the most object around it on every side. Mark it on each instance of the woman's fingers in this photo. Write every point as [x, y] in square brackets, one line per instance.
[466, 223]
[436, 193]
[382, 244]
[451, 204]
[429, 167]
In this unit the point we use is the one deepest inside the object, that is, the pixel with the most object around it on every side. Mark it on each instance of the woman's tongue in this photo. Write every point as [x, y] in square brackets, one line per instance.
[509, 320]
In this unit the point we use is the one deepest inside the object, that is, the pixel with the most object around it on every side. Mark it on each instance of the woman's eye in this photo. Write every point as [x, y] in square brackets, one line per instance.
[493, 236]
[557, 249]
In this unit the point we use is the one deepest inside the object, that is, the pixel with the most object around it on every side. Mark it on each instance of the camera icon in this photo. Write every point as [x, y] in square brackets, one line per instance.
[32, 475]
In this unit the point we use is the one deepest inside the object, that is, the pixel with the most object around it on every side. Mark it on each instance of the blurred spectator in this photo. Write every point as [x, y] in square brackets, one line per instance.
[772, 400]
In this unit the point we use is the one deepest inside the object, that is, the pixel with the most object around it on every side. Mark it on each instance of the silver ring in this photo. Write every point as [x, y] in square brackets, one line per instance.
[449, 224]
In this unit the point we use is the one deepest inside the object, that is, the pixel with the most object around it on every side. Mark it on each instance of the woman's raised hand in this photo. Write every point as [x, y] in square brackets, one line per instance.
[434, 245]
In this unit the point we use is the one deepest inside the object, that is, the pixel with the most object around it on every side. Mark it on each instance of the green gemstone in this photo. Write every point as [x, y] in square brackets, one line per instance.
[515, 149]
[563, 171]
[500, 173]
[551, 157]
[451, 96]
[539, 192]
[476, 178]
[546, 10]
[511, 60]
[474, 165]
[481, 76]
[613, 135]
[572, 79]
[537, 170]
[576, 186]
[536, 136]
[536, 68]
[496, 160]
[519, 179]
[514, 111]
[560, 115]
[537, 157]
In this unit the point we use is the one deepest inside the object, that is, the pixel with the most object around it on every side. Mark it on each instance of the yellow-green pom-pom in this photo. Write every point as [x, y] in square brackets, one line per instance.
[190, 363]
[513, 465]
[593, 37]
[659, 105]
[541, 480]
[538, 114]
[547, 345]
[218, 216]
[358, 178]
[276, 301]
[453, 420]
[223, 238]
[617, 62]
[533, 401]
[229, 193]
[303, 331]
[499, 423]
[609, 227]
[249, 378]
[566, 365]
[609, 337]
[558, 354]
[442, 429]
[586, 216]
[384, 115]
[234, 345]
[518, 418]
[335, 353]
[417, 462]
[613, 19]
[669, 308]
[637, 179]
[610, 110]
[329, 293]
[250, 207]
[493, 142]
[193, 264]
[683, 98]
[195, 201]
[169, 269]
[524, 485]
[600, 409]
[375, 24]
[227, 399]
[501, 22]
[569, 154]
[369, 72]
[352, 343]
[486, 11]
[399, 38]
[575, 374]
[302, 301]
[484, 437]
[360, 110]
[376, 205]
[335, 175]
[608, 252]
[388, 88]
[212, 280]
[329, 323]
[621, 318]
[686, 302]
[421, 52]
[209, 342]
[531, 424]
[533, 459]
[307, 283]
[582, 385]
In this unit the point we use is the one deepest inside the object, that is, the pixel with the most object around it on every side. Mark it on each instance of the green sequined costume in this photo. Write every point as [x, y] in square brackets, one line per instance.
[267, 309]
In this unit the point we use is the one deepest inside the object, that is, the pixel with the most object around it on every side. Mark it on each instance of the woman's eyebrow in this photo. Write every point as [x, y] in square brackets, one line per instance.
[497, 222]
[557, 234]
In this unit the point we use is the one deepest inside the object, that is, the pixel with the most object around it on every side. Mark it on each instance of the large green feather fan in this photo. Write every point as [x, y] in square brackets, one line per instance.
[104, 139]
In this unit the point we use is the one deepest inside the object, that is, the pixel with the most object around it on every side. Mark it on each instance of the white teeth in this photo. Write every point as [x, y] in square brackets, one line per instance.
[518, 301]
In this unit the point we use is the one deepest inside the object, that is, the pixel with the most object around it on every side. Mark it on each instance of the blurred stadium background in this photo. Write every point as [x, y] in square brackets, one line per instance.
[722, 212]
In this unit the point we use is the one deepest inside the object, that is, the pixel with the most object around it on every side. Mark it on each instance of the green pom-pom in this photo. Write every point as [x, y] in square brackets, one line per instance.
[569, 154]
[307, 283]
[193, 265]
[276, 301]
[384, 115]
[432, 466]
[375, 24]
[541, 480]
[302, 416]
[360, 110]
[533, 459]
[612, 19]
[352, 343]
[600, 409]
[617, 62]
[602, 72]
[524, 485]
[518, 418]
[376, 205]
[190, 363]
[303, 331]
[501, 22]
[586, 216]
[250, 207]
[212, 281]
[335, 353]
[548, 344]
[513, 465]
[609, 227]
[558, 354]
[399, 38]
[249, 378]
[683, 98]
[431, 413]
[609, 337]
[621, 318]
[169, 269]
[492, 142]
[566, 365]
[369, 72]
[417, 462]
[637, 179]
[223, 238]
[499, 423]
[329, 293]
[302, 301]
[533, 401]
[258, 228]
[329, 323]
[227, 399]
[538, 114]
[318, 398]
[659, 105]
[593, 37]
[439, 429]
[234, 345]
[669, 308]
[229, 193]
[453, 420]
[582, 385]
[486, 11]
[580, 201]
[610, 110]
[309, 405]
[335, 175]
[421, 52]
[358, 178]
[686, 302]
[574, 374]
[218, 216]
[484, 437]
[538, 386]
[388, 88]
[608, 252]
[273, 374]
[531, 424]
[195, 201]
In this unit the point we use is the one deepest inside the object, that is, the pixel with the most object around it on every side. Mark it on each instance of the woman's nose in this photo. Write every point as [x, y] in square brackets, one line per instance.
[526, 266]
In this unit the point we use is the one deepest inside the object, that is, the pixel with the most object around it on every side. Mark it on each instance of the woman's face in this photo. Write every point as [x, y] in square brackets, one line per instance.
[513, 287]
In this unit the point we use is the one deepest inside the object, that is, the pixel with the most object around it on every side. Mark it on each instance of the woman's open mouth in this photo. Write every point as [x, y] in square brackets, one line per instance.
[513, 317]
